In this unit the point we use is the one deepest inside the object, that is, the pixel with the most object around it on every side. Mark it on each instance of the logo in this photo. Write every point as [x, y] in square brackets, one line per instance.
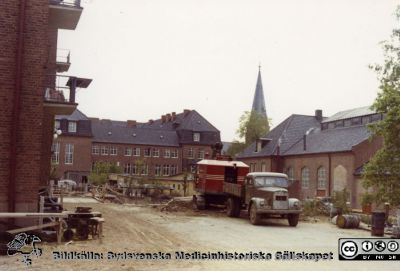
[349, 249]
[393, 246]
[367, 246]
[24, 244]
[380, 246]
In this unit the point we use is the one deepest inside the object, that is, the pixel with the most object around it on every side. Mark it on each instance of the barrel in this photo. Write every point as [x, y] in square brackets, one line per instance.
[348, 221]
[378, 223]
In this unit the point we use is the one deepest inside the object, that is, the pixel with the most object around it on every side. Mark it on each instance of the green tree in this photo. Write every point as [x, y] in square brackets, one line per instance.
[252, 126]
[101, 170]
[382, 172]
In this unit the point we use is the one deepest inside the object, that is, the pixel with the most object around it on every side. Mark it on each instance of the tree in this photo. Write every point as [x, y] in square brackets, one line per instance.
[252, 126]
[101, 170]
[382, 172]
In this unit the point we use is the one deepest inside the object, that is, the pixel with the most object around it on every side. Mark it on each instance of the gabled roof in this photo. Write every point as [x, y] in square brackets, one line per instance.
[330, 140]
[290, 131]
[351, 113]
[191, 120]
[115, 132]
[75, 116]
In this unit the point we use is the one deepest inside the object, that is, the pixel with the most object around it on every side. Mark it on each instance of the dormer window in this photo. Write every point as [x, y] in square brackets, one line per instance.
[196, 137]
[72, 127]
[258, 146]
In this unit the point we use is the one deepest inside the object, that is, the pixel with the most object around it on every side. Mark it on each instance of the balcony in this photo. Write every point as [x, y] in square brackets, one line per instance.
[64, 14]
[59, 93]
[62, 60]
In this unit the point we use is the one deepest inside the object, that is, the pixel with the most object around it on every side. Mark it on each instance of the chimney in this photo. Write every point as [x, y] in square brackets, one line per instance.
[173, 116]
[318, 115]
[186, 112]
[163, 118]
[169, 117]
[131, 123]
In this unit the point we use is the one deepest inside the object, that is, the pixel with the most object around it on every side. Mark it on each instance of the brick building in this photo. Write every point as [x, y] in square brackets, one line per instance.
[31, 94]
[157, 149]
[321, 155]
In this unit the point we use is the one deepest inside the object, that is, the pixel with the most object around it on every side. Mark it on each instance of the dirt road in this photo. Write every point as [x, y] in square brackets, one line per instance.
[147, 230]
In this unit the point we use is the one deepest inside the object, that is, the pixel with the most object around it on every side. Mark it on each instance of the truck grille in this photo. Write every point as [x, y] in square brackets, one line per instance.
[281, 198]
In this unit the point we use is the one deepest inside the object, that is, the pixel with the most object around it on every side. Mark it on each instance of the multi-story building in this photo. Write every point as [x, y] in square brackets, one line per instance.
[157, 149]
[31, 94]
[320, 155]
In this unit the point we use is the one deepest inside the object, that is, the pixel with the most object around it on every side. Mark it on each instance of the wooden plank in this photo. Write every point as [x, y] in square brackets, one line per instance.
[31, 228]
[30, 215]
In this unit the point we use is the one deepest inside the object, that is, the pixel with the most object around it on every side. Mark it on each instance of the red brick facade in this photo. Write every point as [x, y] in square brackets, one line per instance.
[27, 56]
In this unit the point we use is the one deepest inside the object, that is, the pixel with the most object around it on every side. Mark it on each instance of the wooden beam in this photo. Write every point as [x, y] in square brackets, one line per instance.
[30, 215]
[31, 228]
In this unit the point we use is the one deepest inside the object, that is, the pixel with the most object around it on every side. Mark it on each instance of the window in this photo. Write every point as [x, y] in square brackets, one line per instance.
[290, 173]
[95, 150]
[200, 154]
[167, 153]
[356, 121]
[157, 170]
[305, 177]
[128, 168]
[253, 167]
[376, 117]
[147, 152]
[144, 170]
[190, 153]
[135, 169]
[263, 167]
[339, 123]
[347, 123]
[69, 154]
[72, 127]
[173, 170]
[57, 125]
[179, 187]
[104, 150]
[136, 151]
[331, 125]
[174, 153]
[321, 178]
[166, 170]
[365, 120]
[113, 150]
[55, 156]
[196, 137]
[156, 153]
[128, 152]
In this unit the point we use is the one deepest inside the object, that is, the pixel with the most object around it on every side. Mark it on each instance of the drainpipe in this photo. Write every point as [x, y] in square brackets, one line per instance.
[329, 175]
[16, 107]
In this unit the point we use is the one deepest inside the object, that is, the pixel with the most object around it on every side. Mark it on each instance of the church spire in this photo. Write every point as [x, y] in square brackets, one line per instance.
[258, 101]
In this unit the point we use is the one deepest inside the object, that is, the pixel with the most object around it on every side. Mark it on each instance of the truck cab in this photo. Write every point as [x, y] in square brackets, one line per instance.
[264, 194]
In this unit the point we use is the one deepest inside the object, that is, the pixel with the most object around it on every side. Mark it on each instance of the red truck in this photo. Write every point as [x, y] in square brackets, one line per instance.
[262, 194]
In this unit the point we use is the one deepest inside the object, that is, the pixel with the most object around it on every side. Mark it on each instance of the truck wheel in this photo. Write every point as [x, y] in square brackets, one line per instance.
[293, 220]
[233, 207]
[198, 204]
[254, 217]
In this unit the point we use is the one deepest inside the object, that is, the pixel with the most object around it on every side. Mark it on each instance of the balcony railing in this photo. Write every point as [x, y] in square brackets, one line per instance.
[63, 60]
[62, 88]
[57, 89]
[63, 56]
[64, 14]
[67, 3]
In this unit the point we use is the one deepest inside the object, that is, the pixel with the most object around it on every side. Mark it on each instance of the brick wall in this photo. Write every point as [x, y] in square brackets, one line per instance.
[30, 134]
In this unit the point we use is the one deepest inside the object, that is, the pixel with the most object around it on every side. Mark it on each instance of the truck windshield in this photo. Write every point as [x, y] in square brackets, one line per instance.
[271, 181]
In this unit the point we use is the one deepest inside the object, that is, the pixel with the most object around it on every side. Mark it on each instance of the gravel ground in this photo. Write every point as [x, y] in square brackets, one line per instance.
[143, 229]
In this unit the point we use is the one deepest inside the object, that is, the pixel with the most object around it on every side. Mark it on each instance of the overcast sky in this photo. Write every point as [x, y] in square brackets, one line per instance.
[151, 57]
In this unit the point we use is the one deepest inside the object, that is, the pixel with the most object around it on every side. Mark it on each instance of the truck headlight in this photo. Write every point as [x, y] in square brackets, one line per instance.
[262, 203]
[296, 205]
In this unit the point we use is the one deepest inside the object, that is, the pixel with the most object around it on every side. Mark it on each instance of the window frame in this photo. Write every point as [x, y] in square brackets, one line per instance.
[74, 126]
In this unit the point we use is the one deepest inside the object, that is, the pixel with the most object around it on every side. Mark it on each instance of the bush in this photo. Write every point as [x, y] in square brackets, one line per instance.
[340, 199]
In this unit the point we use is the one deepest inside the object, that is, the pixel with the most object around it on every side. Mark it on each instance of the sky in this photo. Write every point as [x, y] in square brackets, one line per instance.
[152, 57]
